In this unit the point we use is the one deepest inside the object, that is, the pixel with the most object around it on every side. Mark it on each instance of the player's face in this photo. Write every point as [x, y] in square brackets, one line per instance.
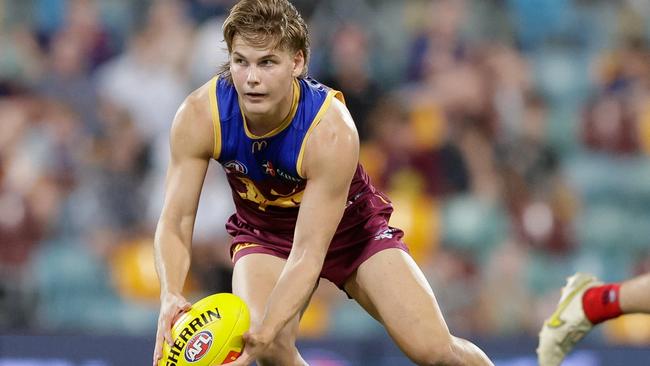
[263, 78]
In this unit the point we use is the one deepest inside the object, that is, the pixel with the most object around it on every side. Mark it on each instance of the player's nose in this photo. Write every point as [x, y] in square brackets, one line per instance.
[252, 77]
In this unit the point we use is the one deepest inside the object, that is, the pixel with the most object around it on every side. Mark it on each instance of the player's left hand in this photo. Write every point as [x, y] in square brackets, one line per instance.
[254, 344]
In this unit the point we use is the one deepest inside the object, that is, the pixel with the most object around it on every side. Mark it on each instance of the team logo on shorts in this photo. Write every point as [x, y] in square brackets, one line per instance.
[235, 166]
[198, 346]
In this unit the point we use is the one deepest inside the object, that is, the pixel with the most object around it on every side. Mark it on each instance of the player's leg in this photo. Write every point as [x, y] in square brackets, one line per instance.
[391, 287]
[254, 277]
[585, 302]
[635, 295]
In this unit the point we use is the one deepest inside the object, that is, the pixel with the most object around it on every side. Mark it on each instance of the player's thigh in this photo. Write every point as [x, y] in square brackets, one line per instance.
[254, 277]
[393, 289]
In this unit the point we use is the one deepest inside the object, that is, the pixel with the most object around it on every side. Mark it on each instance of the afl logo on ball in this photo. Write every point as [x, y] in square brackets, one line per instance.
[198, 346]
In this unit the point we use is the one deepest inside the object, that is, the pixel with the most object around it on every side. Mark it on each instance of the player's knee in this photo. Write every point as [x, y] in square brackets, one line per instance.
[434, 353]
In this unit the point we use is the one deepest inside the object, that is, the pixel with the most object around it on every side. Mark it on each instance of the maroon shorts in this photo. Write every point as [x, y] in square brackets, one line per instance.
[341, 260]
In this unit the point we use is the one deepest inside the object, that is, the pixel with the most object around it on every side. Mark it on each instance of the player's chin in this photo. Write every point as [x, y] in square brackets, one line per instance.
[259, 108]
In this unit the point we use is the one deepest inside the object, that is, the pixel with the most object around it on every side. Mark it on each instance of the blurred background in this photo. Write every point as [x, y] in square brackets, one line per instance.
[513, 137]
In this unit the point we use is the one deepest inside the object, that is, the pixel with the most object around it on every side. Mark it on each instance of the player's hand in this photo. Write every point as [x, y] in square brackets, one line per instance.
[254, 344]
[172, 306]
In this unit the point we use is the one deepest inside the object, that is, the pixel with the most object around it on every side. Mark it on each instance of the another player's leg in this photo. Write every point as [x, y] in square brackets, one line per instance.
[585, 302]
[391, 287]
[254, 277]
[635, 295]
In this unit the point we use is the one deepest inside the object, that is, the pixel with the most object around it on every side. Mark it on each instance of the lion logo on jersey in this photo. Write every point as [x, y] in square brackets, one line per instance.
[253, 193]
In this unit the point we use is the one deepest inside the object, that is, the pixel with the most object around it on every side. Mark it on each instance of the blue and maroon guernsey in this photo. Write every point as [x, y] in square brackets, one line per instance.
[264, 172]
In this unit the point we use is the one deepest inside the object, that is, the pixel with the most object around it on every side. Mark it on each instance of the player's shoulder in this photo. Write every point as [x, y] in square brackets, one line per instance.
[197, 103]
[337, 120]
[336, 116]
[192, 126]
[334, 139]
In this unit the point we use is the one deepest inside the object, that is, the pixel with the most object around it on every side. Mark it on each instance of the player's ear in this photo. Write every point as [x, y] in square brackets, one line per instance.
[298, 63]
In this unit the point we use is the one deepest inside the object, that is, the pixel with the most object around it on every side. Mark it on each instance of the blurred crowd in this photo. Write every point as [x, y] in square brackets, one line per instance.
[512, 136]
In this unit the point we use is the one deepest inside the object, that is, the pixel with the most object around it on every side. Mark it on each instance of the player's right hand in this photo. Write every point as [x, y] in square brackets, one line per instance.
[172, 306]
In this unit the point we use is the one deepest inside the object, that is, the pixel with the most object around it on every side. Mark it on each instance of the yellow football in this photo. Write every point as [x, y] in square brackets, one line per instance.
[210, 333]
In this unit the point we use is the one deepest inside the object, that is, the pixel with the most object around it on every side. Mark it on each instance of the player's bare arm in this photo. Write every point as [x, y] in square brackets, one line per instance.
[191, 148]
[329, 164]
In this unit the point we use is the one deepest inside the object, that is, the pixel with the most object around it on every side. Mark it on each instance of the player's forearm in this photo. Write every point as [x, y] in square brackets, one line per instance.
[291, 293]
[172, 254]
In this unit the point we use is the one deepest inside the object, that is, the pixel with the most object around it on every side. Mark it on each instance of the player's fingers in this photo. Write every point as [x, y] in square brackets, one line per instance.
[180, 311]
[156, 357]
[167, 335]
[165, 329]
[157, 354]
[245, 358]
[248, 339]
[168, 324]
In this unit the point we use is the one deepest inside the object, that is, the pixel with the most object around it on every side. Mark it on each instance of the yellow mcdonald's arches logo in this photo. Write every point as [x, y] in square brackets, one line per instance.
[254, 194]
[259, 146]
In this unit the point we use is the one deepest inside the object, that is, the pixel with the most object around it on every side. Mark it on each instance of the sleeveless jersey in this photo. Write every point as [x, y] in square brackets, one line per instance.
[264, 172]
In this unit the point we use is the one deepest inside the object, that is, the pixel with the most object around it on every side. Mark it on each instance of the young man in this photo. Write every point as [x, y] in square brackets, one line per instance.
[586, 302]
[305, 208]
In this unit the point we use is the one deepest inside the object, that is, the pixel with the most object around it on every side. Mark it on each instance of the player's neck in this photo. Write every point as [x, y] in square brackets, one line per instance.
[263, 123]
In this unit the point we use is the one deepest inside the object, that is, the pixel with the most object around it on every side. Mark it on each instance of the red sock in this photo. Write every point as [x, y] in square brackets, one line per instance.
[601, 303]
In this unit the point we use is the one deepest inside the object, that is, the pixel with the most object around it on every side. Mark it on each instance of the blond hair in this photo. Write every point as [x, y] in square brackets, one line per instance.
[274, 24]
